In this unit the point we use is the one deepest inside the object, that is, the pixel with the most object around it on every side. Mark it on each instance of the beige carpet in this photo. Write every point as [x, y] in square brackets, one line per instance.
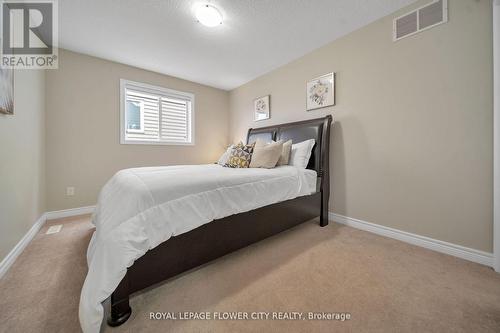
[386, 286]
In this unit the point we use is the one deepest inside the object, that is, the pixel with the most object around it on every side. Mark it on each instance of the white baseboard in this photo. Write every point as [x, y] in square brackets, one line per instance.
[459, 251]
[19, 248]
[59, 214]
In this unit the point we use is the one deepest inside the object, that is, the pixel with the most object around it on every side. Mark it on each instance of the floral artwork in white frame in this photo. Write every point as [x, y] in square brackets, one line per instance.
[320, 92]
[261, 108]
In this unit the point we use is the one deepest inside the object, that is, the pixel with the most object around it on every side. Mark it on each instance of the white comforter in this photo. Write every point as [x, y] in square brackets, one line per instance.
[140, 208]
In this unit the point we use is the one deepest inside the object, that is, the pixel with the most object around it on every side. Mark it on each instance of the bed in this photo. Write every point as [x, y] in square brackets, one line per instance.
[133, 248]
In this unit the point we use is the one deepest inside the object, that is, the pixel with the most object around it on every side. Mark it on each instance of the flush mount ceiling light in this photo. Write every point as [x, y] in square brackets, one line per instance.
[208, 15]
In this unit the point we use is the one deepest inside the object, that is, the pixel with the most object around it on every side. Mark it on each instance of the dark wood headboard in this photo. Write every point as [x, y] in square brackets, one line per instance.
[317, 129]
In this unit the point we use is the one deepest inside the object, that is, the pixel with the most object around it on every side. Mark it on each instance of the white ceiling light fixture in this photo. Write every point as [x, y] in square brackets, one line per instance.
[208, 15]
[190, 53]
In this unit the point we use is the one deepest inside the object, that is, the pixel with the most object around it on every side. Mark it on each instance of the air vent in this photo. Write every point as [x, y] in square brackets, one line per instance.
[54, 229]
[421, 19]
[406, 25]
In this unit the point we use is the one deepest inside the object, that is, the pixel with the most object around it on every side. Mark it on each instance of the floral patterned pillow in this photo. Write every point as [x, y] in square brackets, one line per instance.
[240, 156]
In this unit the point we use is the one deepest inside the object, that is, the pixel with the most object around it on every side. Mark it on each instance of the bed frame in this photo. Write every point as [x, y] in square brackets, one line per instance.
[223, 236]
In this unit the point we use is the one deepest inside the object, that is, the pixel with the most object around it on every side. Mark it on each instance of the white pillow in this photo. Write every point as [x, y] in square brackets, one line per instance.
[225, 157]
[301, 153]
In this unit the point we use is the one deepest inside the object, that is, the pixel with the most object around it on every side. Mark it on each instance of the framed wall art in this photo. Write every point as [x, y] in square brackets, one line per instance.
[320, 92]
[6, 91]
[262, 108]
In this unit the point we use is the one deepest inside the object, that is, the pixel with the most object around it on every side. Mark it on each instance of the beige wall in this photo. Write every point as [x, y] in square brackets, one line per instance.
[83, 116]
[22, 159]
[412, 146]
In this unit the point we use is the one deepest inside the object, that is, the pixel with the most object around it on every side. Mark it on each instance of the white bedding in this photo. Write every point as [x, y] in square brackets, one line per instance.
[140, 208]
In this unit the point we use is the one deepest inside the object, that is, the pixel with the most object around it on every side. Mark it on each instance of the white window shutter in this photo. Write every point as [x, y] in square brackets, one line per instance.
[175, 119]
[151, 108]
[167, 115]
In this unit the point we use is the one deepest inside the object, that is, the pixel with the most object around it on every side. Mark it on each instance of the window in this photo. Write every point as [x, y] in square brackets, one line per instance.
[134, 116]
[155, 115]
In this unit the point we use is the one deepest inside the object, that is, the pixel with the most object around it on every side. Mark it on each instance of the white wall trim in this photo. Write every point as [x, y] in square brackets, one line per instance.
[59, 214]
[459, 251]
[19, 248]
[496, 131]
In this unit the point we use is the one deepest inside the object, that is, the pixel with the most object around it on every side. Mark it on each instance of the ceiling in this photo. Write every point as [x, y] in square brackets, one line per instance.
[256, 36]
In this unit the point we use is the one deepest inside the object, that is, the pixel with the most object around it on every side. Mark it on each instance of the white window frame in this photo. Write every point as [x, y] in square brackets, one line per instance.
[141, 110]
[163, 92]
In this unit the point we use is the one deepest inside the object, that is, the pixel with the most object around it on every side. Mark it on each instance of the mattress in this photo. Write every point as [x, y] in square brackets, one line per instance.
[140, 208]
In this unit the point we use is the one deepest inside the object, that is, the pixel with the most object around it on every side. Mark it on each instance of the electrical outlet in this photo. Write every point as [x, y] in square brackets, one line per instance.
[70, 191]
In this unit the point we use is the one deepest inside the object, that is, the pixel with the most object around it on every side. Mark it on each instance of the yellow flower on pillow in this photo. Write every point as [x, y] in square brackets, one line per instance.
[241, 155]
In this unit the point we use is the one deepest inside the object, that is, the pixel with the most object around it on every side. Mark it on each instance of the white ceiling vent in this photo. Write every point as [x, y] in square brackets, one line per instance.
[420, 19]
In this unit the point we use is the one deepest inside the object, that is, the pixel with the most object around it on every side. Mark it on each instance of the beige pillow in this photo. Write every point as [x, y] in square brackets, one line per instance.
[266, 155]
[285, 154]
